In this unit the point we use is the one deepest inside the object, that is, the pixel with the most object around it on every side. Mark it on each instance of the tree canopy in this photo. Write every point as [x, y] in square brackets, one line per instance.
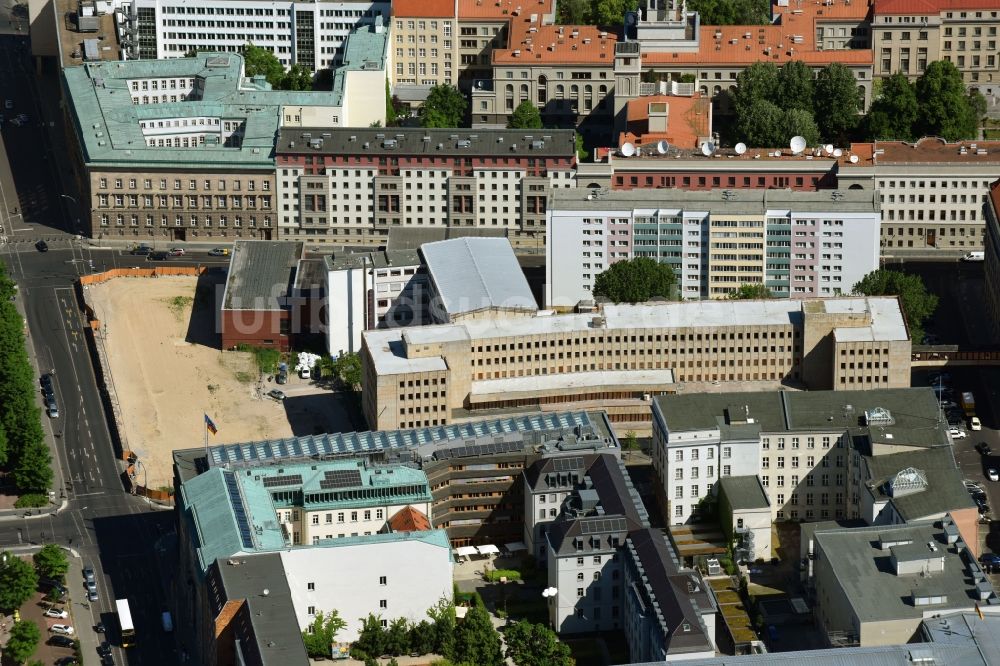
[51, 562]
[18, 581]
[835, 102]
[748, 292]
[796, 86]
[635, 280]
[24, 638]
[258, 61]
[444, 107]
[476, 641]
[347, 369]
[296, 78]
[732, 12]
[914, 299]
[535, 645]
[525, 116]
[944, 107]
[893, 112]
[323, 631]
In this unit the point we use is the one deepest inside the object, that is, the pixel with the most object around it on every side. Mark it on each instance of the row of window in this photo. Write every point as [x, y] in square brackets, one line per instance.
[192, 183]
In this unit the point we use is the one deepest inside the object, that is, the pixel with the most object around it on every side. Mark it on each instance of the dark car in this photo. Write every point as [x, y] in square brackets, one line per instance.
[158, 256]
[46, 383]
[107, 660]
[989, 561]
[100, 628]
[984, 449]
[42, 246]
[104, 648]
[66, 661]
[61, 641]
[142, 249]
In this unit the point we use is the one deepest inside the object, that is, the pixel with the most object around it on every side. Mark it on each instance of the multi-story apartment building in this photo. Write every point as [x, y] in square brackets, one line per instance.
[473, 469]
[880, 455]
[300, 32]
[798, 244]
[351, 186]
[621, 355]
[991, 256]
[184, 148]
[906, 36]
[931, 192]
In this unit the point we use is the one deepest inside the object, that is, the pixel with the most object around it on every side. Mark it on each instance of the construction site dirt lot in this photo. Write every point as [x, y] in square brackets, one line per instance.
[160, 338]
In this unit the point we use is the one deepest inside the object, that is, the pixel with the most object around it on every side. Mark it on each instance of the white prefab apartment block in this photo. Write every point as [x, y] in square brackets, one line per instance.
[298, 33]
[392, 575]
[798, 244]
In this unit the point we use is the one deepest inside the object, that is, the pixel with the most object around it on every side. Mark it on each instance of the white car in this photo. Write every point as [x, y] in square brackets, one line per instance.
[957, 433]
[56, 612]
[975, 423]
[63, 629]
[992, 474]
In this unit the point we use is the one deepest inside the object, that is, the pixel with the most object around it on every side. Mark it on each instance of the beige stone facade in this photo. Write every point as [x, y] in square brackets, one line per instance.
[424, 52]
[617, 359]
[181, 205]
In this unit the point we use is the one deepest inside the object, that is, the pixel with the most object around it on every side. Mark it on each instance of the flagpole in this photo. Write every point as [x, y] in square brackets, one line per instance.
[204, 427]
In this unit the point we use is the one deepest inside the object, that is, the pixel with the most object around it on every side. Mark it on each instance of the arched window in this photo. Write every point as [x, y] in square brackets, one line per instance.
[560, 91]
[704, 91]
[525, 93]
[542, 95]
[510, 97]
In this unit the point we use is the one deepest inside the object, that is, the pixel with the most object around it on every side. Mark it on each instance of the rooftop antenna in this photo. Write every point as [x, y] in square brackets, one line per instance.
[797, 144]
[741, 148]
[707, 148]
[662, 147]
[627, 149]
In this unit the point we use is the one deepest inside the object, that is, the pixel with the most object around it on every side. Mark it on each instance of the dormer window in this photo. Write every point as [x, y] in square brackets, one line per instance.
[686, 626]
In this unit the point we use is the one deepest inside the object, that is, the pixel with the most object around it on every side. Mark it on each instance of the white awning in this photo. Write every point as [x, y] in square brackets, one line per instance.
[489, 549]
[515, 547]
[465, 551]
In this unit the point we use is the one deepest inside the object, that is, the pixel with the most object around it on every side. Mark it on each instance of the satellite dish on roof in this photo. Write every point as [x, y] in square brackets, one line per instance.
[741, 148]
[828, 148]
[707, 148]
[837, 152]
[627, 149]
[854, 159]
[797, 144]
[662, 147]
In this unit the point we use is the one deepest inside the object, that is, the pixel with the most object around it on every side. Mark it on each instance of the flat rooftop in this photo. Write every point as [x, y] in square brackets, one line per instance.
[604, 380]
[742, 201]
[876, 592]
[261, 274]
[927, 151]
[71, 40]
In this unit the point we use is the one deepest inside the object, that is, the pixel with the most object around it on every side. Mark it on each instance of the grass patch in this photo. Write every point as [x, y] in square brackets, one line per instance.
[179, 305]
[244, 377]
[31, 500]
[530, 610]
[991, 133]
[266, 359]
[756, 591]
[494, 575]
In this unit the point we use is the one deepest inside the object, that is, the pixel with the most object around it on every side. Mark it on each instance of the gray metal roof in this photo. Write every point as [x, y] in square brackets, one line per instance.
[274, 632]
[261, 273]
[966, 630]
[398, 141]
[717, 201]
[744, 492]
[411, 238]
[890, 655]
[944, 491]
[473, 274]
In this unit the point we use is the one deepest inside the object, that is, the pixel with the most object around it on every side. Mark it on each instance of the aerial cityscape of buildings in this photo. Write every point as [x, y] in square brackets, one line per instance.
[514, 332]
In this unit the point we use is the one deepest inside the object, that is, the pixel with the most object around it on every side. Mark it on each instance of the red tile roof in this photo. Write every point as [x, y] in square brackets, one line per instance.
[928, 150]
[423, 8]
[688, 119]
[534, 43]
[409, 519]
[503, 9]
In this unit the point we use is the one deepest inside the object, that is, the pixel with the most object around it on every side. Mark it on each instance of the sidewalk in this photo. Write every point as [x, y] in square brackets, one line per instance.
[80, 610]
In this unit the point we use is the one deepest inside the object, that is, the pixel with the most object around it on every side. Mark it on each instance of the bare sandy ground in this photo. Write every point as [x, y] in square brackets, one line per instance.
[166, 376]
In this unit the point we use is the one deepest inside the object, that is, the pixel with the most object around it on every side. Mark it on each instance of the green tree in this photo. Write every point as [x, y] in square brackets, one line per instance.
[835, 102]
[732, 12]
[442, 615]
[944, 107]
[347, 369]
[296, 78]
[798, 122]
[397, 637]
[322, 632]
[525, 116]
[535, 645]
[751, 292]
[34, 468]
[611, 12]
[795, 86]
[630, 443]
[574, 12]
[258, 61]
[444, 107]
[51, 562]
[635, 281]
[390, 109]
[18, 581]
[581, 153]
[757, 83]
[476, 641]
[24, 638]
[421, 637]
[762, 125]
[914, 299]
[371, 640]
[893, 113]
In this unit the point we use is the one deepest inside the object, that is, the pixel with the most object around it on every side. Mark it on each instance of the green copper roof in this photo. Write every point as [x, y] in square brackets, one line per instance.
[364, 49]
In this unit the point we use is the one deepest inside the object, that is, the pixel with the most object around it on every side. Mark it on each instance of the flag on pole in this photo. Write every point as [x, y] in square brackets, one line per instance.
[210, 425]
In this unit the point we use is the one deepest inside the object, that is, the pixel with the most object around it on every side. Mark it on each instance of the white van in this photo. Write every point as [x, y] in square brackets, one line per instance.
[976, 255]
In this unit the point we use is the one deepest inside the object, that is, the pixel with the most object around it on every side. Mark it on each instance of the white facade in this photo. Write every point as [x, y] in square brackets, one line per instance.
[392, 576]
[540, 509]
[589, 588]
[305, 33]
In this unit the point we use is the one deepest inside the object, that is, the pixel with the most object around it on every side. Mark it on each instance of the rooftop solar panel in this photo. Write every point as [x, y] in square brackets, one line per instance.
[236, 500]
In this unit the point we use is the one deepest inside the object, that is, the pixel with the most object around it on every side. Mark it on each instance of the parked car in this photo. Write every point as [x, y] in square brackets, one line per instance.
[88, 574]
[219, 252]
[56, 612]
[948, 404]
[992, 474]
[984, 449]
[157, 256]
[92, 595]
[142, 250]
[61, 641]
[65, 661]
[63, 629]
[277, 394]
[975, 423]
[176, 252]
[990, 561]
[100, 628]
[91, 585]
[957, 433]
[42, 246]
[52, 409]
[104, 648]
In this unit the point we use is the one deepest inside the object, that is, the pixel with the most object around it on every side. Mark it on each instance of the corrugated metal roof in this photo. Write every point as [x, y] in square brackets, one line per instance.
[473, 274]
[261, 274]
[891, 655]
